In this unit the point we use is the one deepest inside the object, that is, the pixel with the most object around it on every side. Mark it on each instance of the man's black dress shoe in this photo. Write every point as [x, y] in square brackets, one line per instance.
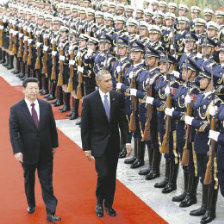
[110, 211]
[52, 218]
[31, 210]
[99, 210]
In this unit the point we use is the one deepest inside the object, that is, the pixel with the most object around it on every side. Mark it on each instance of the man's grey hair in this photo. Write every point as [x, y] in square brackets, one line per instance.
[101, 73]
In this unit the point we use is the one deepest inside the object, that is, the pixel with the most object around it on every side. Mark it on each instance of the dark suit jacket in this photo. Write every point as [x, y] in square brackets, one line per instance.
[35, 143]
[96, 131]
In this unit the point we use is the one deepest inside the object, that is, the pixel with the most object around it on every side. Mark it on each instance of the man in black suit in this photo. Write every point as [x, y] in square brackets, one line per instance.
[102, 116]
[34, 139]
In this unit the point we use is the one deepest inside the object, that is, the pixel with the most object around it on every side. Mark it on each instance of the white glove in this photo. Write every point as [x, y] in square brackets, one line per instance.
[46, 48]
[62, 58]
[71, 62]
[53, 41]
[167, 90]
[71, 48]
[89, 52]
[131, 75]
[80, 69]
[151, 81]
[29, 30]
[118, 69]
[188, 120]
[45, 36]
[169, 111]
[187, 99]
[25, 38]
[214, 135]
[37, 33]
[133, 92]
[30, 41]
[54, 53]
[25, 28]
[149, 100]
[118, 85]
[213, 110]
[38, 44]
[20, 35]
[15, 33]
[78, 54]
[11, 31]
[176, 74]
[171, 47]
[1, 27]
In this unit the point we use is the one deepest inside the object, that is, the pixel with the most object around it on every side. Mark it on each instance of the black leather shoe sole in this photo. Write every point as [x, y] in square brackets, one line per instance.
[99, 211]
[31, 210]
[53, 218]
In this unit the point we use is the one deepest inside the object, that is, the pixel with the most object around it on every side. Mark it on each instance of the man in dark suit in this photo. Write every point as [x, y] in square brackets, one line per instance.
[34, 139]
[102, 116]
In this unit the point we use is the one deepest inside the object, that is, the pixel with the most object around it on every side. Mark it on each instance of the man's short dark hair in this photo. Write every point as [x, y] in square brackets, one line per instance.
[30, 79]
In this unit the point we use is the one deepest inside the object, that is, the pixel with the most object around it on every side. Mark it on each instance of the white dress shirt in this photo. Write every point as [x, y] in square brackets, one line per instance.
[36, 107]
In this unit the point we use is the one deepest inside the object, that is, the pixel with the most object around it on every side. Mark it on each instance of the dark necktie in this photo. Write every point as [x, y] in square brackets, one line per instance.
[107, 106]
[34, 115]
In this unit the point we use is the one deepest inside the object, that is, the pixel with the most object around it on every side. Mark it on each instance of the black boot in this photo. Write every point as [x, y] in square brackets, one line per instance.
[17, 69]
[210, 213]
[164, 182]
[123, 151]
[150, 155]
[10, 65]
[66, 98]
[2, 61]
[155, 171]
[201, 211]
[172, 182]
[75, 109]
[21, 75]
[6, 63]
[140, 155]
[181, 197]
[51, 96]
[45, 83]
[133, 158]
[190, 198]
[59, 100]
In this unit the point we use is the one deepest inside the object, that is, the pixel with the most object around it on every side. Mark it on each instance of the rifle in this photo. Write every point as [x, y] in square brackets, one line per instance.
[19, 54]
[1, 32]
[53, 70]
[166, 139]
[10, 42]
[14, 50]
[188, 140]
[44, 69]
[60, 76]
[132, 125]
[147, 135]
[210, 164]
[29, 62]
[37, 63]
[25, 54]
[120, 78]
[79, 89]
[70, 82]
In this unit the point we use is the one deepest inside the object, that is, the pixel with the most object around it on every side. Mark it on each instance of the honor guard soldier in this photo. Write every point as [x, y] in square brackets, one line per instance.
[54, 42]
[154, 5]
[200, 31]
[112, 8]
[91, 25]
[82, 25]
[129, 11]
[195, 13]
[100, 27]
[163, 93]
[163, 6]
[132, 29]
[63, 75]
[201, 123]
[155, 37]
[120, 10]
[187, 90]
[148, 16]
[158, 17]
[119, 22]
[121, 66]
[132, 107]
[220, 21]
[183, 10]
[208, 14]
[151, 129]
[172, 7]
[81, 70]
[144, 32]
[139, 13]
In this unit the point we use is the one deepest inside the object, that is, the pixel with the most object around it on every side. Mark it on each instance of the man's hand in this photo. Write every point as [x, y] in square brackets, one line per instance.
[89, 155]
[54, 151]
[19, 157]
[128, 149]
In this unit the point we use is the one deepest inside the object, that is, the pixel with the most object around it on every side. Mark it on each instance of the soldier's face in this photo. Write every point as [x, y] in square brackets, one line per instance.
[148, 18]
[139, 15]
[40, 22]
[206, 50]
[104, 46]
[119, 26]
[112, 10]
[92, 47]
[204, 83]
[159, 20]
[212, 33]
[105, 8]
[187, 73]
[75, 14]
[150, 61]
[105, 84]
[131, 29]
[82, 43]
[136, 56]
[199, 29]
[90, 17]
[154, 37]
[173, 10]
[163, 67]
[208, 18]
[31, 91]
[169, 22]
[64, 35]
[144, 32]
[162, 8]
[182, 26]
[82, 16]
[220, 20]
[194, 15]
[99, 20]
[182, 12]
[189, 45]
[56, 27]
[122, 51]
[48, 24]
[221, 56]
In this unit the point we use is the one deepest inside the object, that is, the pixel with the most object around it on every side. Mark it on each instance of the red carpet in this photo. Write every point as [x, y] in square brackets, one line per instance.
[74, 183]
